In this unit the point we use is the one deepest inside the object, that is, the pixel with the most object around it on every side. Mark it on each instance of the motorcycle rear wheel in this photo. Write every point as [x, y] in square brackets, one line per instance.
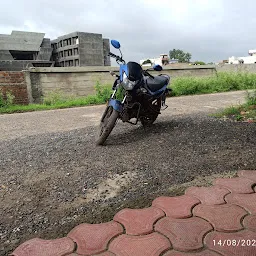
[150, 119]
[146, 121]
[107, 124]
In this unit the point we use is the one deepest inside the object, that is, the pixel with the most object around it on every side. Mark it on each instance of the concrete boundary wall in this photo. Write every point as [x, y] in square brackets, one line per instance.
[81, 81]
[250, 68]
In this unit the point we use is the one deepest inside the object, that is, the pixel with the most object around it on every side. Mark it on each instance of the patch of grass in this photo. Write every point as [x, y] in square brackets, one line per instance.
[78, 102]
[223, 82]
[245, 112]
[233, 110]
[56, 100]
[251, 98]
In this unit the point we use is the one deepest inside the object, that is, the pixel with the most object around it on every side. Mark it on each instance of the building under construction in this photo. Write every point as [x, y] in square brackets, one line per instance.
[21, 50]
[81, 49]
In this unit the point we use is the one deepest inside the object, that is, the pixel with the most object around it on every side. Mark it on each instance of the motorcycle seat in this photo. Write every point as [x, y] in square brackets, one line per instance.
[156, 83]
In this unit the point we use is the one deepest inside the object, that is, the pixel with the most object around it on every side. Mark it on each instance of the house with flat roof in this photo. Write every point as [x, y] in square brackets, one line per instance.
[162, 60]
[251, 59]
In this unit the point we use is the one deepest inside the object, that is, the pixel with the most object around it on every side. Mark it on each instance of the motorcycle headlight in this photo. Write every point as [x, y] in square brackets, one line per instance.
[127, 84]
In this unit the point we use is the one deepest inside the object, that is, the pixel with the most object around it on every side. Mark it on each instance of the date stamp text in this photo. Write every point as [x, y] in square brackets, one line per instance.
[235, 242]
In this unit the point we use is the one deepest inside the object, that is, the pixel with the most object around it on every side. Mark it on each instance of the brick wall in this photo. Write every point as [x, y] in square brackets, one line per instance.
[15, 83]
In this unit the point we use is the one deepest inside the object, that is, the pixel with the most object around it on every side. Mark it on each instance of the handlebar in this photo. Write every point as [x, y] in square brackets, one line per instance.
[118, 58]
[112, 55]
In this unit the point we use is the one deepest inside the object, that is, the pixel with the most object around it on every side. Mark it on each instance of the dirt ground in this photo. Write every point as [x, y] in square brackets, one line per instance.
[53, 177]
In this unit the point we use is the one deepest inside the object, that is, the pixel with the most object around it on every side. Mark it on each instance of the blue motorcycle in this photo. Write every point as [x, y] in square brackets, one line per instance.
[143, 96]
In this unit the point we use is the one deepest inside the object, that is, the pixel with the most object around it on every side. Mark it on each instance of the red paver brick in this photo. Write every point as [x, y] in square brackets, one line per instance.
[139, 221]
[176, 207]
[149, 245]
[215, 241]
[251, 175]
[101, 254]
[184, 234]
[226, 217]
[247, 201]
[40, 247]
[250, 222]
[202, 253]
[208, 195]
[106, 254]
[236, 185]
[93, 238]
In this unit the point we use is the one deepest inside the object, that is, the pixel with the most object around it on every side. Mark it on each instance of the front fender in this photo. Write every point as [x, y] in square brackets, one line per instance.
[116, 104]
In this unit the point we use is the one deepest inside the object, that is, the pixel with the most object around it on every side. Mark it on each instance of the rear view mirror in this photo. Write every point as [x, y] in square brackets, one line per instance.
[157, 67]
[115, 44]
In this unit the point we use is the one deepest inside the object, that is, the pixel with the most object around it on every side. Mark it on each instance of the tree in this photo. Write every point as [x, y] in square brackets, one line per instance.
[199, 62]
[180, 55]
[147, 62]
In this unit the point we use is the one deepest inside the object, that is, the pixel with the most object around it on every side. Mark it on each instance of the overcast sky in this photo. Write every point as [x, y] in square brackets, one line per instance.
[211, 30]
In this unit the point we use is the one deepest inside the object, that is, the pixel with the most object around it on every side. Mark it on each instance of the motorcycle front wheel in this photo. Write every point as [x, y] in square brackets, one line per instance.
[107, 124]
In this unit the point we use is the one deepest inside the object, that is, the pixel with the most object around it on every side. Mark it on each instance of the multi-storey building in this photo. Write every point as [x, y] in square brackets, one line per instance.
[81, 49]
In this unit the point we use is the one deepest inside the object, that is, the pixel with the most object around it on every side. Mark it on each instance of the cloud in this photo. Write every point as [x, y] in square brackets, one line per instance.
[210, 30]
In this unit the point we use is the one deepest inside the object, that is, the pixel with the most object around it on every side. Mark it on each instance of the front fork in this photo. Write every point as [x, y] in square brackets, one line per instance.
[114, 93]
[115, 103]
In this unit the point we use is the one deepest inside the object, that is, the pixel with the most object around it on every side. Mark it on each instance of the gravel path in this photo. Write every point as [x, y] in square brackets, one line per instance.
[53, 177]
[35, 123]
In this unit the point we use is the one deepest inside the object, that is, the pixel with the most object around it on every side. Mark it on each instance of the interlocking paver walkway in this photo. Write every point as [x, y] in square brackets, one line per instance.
[206, 221]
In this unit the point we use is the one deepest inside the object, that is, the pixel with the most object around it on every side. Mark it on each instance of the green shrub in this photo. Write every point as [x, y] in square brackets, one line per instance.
[239, 117]
[1, 99]
[54, 97]
[103, 92]
[199, 62]
[223, 82]
[251, 98]
[7, 100]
